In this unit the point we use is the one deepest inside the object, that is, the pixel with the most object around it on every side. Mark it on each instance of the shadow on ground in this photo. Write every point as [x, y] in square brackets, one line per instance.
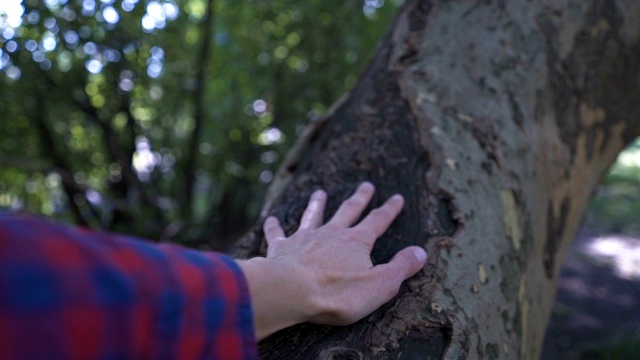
[598, 296]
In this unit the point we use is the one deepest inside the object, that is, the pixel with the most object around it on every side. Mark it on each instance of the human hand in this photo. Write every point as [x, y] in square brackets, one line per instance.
[323, 273]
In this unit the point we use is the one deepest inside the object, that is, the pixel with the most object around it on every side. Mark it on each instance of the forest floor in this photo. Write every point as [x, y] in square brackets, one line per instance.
[597, 310]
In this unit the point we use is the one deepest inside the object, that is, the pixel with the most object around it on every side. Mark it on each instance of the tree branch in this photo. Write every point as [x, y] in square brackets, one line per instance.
[114, 148]
[32, 166]
[58, 159]
[204, 56]
[24, 164]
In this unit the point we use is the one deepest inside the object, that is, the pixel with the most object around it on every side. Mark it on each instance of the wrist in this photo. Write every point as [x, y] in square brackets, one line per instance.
[280, 295]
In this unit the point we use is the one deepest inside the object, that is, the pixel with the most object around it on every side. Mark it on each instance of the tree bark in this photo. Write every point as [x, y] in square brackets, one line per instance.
[495, 120]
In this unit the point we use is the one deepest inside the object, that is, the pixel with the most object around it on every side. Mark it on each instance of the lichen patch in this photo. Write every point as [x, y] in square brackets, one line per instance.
[482, 274]
[436, 307]
[511, 222]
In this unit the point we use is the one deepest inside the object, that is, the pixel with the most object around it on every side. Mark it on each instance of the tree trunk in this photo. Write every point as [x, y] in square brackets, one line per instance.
[495, 120]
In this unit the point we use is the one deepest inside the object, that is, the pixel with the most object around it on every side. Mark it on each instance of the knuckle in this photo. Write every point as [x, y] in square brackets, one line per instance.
[383, 212]
[392, 281]
[362, 233]
[308, 212]
[354, 236]
[353, 203]
[331, 228]
[369, 234]
[405, 257]
[392, 291]
[270, 223]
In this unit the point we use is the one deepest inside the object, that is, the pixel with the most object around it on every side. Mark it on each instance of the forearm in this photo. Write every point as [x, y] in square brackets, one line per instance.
[82, 294]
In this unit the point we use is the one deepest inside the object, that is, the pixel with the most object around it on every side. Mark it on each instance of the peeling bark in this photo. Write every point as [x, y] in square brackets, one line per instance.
[495, 120]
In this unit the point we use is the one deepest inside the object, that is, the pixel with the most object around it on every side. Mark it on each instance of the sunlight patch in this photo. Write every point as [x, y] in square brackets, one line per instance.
[11, 11]
[621, 252]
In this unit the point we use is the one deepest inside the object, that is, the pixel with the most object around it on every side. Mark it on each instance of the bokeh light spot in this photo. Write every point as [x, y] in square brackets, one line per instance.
[49, 42]
[94, 66]
[259, 106]
[110, 15]
[270, 136]
[13, 73]
[11, 46]
[90, 48]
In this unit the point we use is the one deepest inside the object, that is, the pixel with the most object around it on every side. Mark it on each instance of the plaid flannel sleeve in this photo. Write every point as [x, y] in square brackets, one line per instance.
[68, 293]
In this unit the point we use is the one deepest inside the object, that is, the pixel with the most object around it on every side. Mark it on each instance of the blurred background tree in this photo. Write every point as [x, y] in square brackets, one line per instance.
[166, 119]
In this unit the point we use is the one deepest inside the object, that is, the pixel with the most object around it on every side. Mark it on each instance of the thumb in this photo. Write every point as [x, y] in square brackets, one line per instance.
[408, 261]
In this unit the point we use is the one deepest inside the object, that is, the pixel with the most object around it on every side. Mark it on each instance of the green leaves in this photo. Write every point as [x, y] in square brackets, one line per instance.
[116, 82]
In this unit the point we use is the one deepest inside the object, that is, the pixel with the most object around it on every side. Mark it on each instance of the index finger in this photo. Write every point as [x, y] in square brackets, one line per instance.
[381, 218]
[351, 209]
[313, 214]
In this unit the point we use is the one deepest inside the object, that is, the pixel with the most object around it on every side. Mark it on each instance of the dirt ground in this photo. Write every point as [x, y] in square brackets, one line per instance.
[598, 295]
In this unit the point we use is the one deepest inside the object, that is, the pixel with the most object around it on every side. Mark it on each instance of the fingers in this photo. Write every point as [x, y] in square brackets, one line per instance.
[272, 230]
[406, 263]
[352, 208]
[313, 214]
[381, 218]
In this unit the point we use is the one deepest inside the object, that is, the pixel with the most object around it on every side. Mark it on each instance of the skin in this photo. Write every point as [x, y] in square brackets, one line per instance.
[323, 272]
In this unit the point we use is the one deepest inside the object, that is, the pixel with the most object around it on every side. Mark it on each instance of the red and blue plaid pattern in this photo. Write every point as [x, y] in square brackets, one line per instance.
[70, 293]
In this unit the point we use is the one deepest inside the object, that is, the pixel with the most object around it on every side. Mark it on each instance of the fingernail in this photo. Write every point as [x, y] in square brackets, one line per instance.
[398, 197]
[318, 194]
[420, 254]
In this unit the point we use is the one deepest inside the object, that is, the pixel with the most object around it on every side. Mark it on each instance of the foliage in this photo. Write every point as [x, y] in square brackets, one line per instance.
[616, 205]
[166, 119]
